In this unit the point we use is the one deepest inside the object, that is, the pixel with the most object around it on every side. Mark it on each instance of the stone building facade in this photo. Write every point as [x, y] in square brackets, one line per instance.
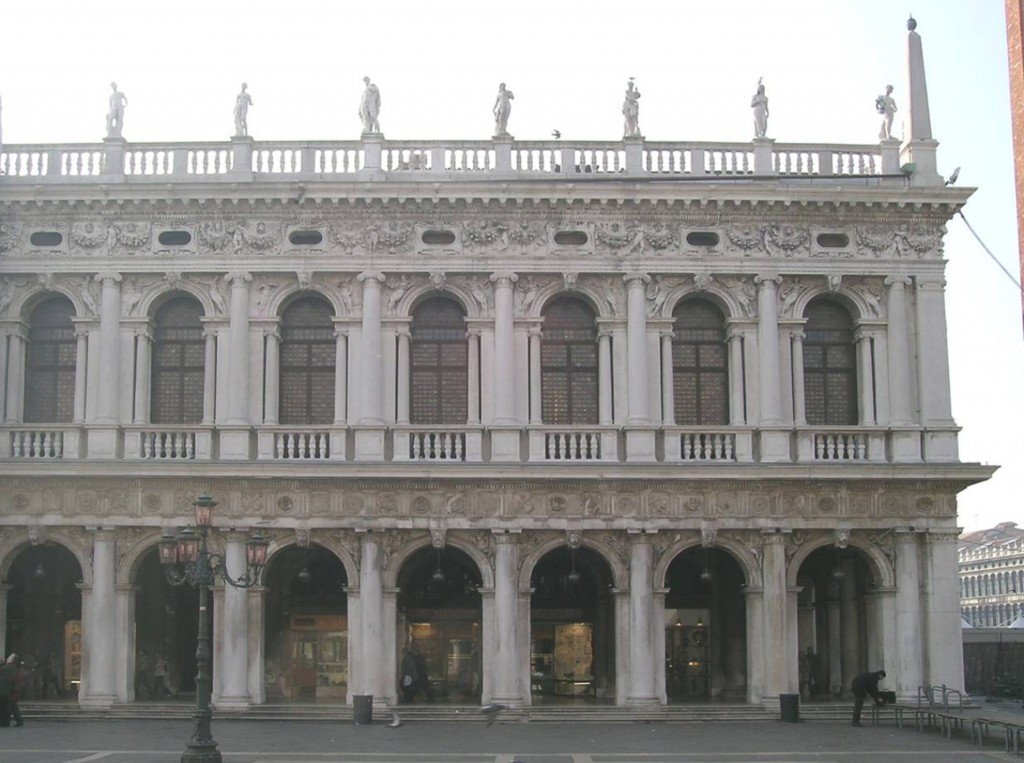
[629, 422]
[992, 576]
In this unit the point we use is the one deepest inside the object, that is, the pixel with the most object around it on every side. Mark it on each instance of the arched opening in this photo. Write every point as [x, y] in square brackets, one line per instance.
[705, 627]
[830, 365]
[50, 363]
[838, 632]
[572, 627]
[179, 357]
[438, 363]
[439, 614]
[166, 629]
[44, 619]
[306, 631]
[307, 360]
[568, 363]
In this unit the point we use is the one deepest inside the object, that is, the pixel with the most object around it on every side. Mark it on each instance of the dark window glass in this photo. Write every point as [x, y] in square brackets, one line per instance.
[178, 363]
[439, 364]
[307, 360]
[50, 363]
[700, 371]
[568, 364]
[830, 367]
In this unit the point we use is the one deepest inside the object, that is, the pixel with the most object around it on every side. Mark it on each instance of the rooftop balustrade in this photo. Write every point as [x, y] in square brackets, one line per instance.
[240, 159]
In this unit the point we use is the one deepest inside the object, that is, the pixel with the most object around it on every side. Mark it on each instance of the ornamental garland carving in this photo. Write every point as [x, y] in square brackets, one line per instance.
[132, 235]
[10, 235]
[89, 234]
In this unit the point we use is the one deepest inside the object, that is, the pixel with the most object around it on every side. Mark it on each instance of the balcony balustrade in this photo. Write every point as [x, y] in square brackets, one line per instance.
[447, 444]
[168, 443]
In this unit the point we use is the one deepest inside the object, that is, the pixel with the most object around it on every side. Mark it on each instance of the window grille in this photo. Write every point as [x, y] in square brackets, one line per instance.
[438, 364]
[179, 359]
[830, 366]
[700, 372]
[307, 360]
[568, 364]
[50, 363]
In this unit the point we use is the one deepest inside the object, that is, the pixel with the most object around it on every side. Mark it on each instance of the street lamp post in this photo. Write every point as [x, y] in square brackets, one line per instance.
[186, 558]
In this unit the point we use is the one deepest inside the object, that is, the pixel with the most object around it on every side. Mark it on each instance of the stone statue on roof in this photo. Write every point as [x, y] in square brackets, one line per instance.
[502, 109]
[242, 103]
[759, 103]
[631, 110]
[115, 116]
[886, 106]
[369, 107]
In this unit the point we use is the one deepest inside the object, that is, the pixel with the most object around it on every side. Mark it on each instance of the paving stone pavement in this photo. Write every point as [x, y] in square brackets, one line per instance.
[124, 741]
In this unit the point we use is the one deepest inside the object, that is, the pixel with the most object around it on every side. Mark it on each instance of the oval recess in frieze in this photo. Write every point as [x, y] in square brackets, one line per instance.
[571, 238]
[305, 237]
[174, 238]
[437, 237]
[702, 238]
[833, 240]
[46, 238]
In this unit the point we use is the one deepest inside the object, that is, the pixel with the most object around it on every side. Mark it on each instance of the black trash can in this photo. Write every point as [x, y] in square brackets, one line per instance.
[789, 704]
[362, 708]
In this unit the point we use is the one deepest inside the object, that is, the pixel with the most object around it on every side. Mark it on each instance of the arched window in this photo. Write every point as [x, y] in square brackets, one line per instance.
[308, 354]
[568, 363]
[830, 367]
[50, 363]
[179, 354]
[700, 373]
[438, 364]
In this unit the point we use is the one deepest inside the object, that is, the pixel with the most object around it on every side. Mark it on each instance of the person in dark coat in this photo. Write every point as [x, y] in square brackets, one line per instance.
[17, 688]
[410, 675]
[862, 686]
[6, 687]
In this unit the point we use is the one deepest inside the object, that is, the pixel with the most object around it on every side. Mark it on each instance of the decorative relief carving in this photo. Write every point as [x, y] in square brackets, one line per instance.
[89, 234]
[88, 290]
[841, 537]
[919, 240]
[256, 240]
[619, 237]
[875, 241]
[134, 288]
[132, 235]
[215, 236]
[526, 291]
[746, 239]
[10, 235]
[484, 541]
[744, 292]
[870, 292]
[392, 237]
[786, 240]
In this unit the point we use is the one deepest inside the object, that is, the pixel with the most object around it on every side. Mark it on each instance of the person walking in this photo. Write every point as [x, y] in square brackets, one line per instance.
[6, 687]
[863, 685]
[17, 687]
[410, 675]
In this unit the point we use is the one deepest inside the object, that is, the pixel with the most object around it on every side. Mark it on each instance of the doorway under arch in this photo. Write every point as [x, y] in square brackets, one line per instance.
[439, 617]
[572, 627]
[306, 631]
[705, 627]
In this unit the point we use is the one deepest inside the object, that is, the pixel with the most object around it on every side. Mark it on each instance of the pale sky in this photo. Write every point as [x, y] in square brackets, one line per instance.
[438, 65]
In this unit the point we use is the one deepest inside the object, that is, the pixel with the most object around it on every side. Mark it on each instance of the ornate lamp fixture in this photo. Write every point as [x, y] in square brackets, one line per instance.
[186, 558]
[438, 576]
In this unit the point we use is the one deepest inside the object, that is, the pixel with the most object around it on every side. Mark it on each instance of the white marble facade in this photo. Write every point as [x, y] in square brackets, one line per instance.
[377, 229]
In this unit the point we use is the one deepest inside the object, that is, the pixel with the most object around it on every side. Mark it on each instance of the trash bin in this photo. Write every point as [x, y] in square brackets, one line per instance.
[362, 708]
[789, 704]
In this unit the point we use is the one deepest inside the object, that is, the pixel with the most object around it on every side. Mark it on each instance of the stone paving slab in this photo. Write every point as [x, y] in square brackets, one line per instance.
[297, 742]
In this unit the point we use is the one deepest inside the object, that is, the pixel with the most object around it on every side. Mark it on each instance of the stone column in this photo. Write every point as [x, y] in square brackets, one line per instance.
[101, 638]
[81, 372]
[933, 370]
[945, 657]
[905, 444]
[833, 614]
[909, 673]
[124, 670]
[235, 431]
[371, 602]
[639, 431]
[756, 658]
[737, 416]
[848, 613]
[799, 404]
[143, 373]
[604, 378]
[256, 597]
[18, 339]
[110, 347]
[340, 377]
[234, 668]
[778, 678]
[209, 375]
[641, 621]
[668, 404]
[369, 436]
[536, 399]
[272, 375]
[4, 588]
[508, 688]
[473, 383]
[865, 379]
[505, 431]
[403, 375]
[775, 445]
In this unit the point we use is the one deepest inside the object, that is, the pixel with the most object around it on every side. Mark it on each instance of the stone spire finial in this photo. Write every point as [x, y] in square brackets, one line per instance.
[918, 121]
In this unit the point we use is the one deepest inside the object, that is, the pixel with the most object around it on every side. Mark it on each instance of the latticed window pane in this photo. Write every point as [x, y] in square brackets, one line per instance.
[178, 360]
[569, 383]
[307, 360]
[50, 363]
[830, 369]
[700, 370]
[439, 364]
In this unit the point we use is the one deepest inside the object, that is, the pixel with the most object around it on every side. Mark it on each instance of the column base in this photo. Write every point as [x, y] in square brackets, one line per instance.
[235, 443]
[640, 445]
[775, 446]
[906, 445]
[369, 443]
[98, 701]
[104, 442]
[505, 444]
[240, 702]
[642, 702]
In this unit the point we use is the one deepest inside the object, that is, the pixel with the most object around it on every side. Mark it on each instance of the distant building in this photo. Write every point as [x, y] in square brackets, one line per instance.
[992, 577]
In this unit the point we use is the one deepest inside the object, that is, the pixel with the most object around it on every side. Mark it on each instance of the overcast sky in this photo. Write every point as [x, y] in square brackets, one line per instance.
[438, 65]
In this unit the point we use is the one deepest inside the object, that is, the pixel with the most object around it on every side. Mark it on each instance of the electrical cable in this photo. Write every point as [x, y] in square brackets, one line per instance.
[988, 251]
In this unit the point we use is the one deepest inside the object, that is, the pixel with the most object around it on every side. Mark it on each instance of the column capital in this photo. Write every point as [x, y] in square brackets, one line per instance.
[368, 277]
[798, 334]
[896, 280]
[773, 535]
[506, 537]
[340, 332]
[473, 333]
[766, 280]
[504, 278]
[930, 283]
[667, 334]
[238, 278]
[637, 535]
[537, 331]
[635, 280]
[108, 278]
[403, 331]
[944, 535]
